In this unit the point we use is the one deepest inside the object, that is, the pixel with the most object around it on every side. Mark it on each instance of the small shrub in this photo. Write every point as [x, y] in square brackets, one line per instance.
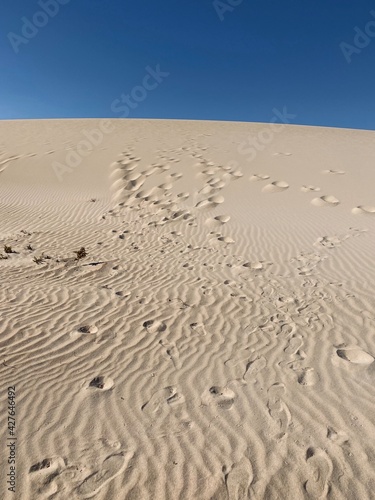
[84, 329]
[8, 249]
[38, 260]
[81, 253]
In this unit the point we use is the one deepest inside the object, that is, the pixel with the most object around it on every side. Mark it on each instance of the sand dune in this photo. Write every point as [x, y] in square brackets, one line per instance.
[217, 339]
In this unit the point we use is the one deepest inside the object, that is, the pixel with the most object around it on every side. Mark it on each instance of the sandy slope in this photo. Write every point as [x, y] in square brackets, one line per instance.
[218, 339]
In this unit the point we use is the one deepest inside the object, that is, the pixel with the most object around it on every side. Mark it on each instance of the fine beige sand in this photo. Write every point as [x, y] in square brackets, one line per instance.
[218, 339]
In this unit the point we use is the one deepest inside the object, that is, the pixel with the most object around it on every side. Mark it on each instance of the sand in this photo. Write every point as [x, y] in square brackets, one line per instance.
[217, 341]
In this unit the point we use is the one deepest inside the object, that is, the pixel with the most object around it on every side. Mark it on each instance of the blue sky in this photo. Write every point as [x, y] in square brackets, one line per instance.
[261, 55]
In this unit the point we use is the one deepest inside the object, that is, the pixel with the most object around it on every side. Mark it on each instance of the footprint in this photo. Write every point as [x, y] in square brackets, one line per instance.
[162, 167]
[67, 481]
[180, 214]
[238, 480]
[275, 187]
[307, 262]
[211, 202]
[132, 176]
[147, 195]
[222, 218]
[325, 201]
[309, 188]
[164, 411]
[101, 382]
[307, 376]
[161, 400]
[175, 176]
[4, 163]
[134, 185]
[222, 397]
[236, 174]
[242, 358]
[364, 209]
[226, 239]
[279, 324]
[198, 329]
[183, 195]
[338, 437]
[354, 355]
[167, 186]
[206, 190]
[254, 367]
[216, 199]
[334, 172]
[256, 265]
[259, 177]
[153, 326]
[171, 352]
[127, 165]
[294, 345]
[328, 241]
[42, 475]
[321, 469]
[48, 465]
[209, 171]
[84, 330]
[278, 410]
[217, 185]
[112, 466]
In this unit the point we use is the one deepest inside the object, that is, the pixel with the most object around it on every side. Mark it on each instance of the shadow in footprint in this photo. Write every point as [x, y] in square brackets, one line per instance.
[325, 201]
[355, 355]
[275, 187]
[153, 326]
[103, 383]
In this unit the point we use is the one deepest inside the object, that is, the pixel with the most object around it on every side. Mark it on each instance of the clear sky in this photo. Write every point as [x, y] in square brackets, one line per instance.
[220, 60]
